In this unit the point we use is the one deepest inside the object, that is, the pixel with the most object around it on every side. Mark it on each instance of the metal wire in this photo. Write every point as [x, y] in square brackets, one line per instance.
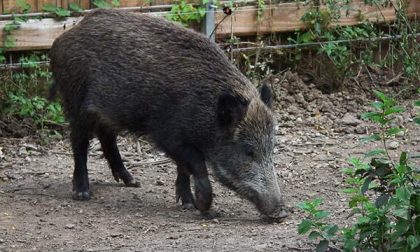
[311, 44]
[276, 47]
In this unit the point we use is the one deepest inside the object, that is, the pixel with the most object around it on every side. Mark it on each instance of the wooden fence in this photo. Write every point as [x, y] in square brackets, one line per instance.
[283, 17]
[7, 6]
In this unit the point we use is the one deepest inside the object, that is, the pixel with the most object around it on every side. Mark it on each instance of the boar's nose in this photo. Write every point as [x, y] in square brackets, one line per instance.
[272, 206]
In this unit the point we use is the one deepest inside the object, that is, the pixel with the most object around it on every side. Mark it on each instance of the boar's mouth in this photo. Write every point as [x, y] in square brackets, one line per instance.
[270, 206]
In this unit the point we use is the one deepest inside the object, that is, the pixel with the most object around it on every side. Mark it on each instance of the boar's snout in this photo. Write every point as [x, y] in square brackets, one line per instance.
[271, 206]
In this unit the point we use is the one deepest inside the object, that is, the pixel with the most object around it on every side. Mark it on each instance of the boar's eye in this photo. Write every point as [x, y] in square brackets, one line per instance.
[249, 151]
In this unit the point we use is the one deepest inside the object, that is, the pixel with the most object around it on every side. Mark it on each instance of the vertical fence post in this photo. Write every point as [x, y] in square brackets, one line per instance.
[208, 24]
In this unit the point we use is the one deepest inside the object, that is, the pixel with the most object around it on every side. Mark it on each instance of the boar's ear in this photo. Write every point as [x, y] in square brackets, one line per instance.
[266, 95]
[231, 109]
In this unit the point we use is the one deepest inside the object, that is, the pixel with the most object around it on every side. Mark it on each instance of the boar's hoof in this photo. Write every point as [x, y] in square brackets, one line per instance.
[278, 217]
[188, 206]
[81, 195]
[209, 214]
[131, 183]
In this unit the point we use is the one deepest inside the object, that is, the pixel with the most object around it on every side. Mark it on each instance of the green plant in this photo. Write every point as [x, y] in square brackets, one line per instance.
[58, 11]
[32, 79]
[316, 227]
[105, 5]
[417, 104]
[75, 7]
[261, 7]
[257, 67]
[185, 13]
[408, 47]
[23, 6]
[9, 41]
[37, 108]
[384, 193]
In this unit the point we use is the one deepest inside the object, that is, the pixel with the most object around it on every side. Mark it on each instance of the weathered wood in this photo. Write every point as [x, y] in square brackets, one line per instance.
[37, 5]
[286, 17]
[39, 34]
[10, 6]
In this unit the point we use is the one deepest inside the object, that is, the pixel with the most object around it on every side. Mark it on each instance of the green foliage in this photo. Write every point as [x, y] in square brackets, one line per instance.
[9, 41]
[342, 56]
[105, 5]
[256, 67]
[37, 108]
[384, 193]
[389, 217]
[417, 104]
[74, 7]
[23, 6]
[22, 91]
[261, 7]
[315, 226]
[58, 11]
[185, 13]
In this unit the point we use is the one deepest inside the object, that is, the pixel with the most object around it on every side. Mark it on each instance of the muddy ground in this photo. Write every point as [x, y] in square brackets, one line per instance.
[316, 134]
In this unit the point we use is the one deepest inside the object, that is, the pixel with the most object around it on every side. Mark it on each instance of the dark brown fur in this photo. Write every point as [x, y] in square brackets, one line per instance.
[122, 71]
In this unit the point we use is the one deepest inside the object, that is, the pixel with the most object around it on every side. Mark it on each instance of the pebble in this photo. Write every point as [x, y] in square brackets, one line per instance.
[70, 226]
[393, 145]
[299, 98]
[22, 151]
[350, 119]
[400, 134]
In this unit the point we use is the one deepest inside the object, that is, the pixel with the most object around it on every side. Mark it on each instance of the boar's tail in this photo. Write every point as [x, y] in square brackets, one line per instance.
[53, 90]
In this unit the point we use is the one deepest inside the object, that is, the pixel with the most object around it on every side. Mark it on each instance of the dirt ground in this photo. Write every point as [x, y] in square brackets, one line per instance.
[316, 134]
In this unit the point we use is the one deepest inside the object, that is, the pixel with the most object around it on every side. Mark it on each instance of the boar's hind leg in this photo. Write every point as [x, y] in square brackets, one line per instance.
[183, 187]
[108, 141]
[194, 162]
[80, 144]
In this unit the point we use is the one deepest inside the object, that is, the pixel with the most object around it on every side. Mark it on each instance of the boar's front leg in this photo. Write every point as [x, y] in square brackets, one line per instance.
[109, 146]
[193, 160]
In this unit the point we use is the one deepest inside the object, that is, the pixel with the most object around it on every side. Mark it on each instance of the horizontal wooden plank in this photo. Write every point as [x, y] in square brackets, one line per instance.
[286, 17]
[10, 6]
[40, 34]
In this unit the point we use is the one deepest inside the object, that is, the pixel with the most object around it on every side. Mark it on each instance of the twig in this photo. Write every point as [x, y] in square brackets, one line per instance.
[22, 189]
[370, 75]
[142, 163]
[309, 144]
[396, 78]
[60, 153]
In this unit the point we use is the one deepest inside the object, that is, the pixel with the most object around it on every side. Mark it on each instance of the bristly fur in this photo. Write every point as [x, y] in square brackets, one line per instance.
[117, 70]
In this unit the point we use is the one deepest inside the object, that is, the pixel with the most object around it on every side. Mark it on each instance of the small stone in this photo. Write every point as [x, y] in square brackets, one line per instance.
[393, 145]
[400, 134]
[349, 119]
[261, 247]
[22, 151]
[299, 120]
[360, 129]
[70, 226]
[299, 98]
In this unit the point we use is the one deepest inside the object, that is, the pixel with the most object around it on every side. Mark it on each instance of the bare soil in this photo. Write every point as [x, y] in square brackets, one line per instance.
[316, 134]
